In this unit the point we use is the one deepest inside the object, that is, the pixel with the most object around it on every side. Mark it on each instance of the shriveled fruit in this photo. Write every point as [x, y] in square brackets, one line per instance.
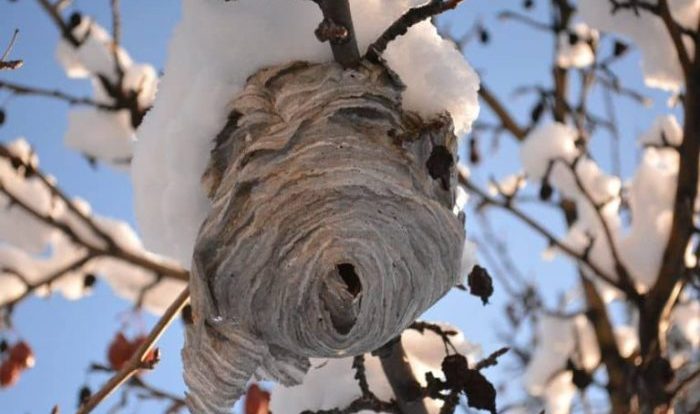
[21, 353]
[9, 373]
[119, 351]
[257, 401]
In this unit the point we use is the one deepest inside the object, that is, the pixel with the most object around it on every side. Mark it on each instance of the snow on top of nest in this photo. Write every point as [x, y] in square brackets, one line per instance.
[217, 46]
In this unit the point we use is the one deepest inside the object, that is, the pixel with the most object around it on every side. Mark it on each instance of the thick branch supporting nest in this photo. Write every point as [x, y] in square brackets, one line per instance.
[331, 228]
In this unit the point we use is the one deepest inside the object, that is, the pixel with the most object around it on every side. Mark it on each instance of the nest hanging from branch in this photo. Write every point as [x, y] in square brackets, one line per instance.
[331, 228]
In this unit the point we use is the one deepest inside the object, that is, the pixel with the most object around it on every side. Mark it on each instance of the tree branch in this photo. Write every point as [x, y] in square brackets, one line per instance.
[10, 64]
[623, 275]
[616, 366]
[19, 89]
[47, 280]
[538, 228]
[109, 248]
[338, 29]
[676, 37]
[502, 113]
[139, 360]
[491, 360]
[397, 369]
[55, 16]
[408, 19]
[116, 39]
[660, 298]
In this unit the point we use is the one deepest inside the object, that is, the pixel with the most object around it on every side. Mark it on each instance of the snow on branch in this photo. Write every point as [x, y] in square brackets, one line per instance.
[123, 90]
[408, 19]
[83, 245]
[538, 228]
[20, 89]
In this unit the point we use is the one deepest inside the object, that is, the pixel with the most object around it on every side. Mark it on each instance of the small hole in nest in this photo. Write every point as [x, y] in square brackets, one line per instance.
[439, 164]
[352, 281]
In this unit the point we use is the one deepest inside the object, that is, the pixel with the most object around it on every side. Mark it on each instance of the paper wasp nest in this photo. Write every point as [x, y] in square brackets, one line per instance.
[331, 228]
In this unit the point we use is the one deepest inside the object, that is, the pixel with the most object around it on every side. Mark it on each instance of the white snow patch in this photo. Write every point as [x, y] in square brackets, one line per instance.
[425, 353]
[660, 62]
[215, 47]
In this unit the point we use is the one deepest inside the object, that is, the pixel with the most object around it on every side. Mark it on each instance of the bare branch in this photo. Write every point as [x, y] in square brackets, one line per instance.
[137, 383]
[19, 89]
[502, 113]
[422, 326]
[527, 20]
[10, 64]
[139, 360]
[615, 365]
[685, 383]
[492, 359]
[116, 39]
[538, 228]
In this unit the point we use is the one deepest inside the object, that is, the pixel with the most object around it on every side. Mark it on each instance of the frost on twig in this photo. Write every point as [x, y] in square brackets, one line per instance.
[365, 241]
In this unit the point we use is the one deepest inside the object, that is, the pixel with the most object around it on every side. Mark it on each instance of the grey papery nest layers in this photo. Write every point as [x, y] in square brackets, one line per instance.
[331, 228]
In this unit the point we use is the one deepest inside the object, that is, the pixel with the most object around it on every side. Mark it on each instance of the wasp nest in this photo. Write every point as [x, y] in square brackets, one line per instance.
[331, 228]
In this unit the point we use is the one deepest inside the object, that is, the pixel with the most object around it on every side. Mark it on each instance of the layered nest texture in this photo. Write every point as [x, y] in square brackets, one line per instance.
[331, 227]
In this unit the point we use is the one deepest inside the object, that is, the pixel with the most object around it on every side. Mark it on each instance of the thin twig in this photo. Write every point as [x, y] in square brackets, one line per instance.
[116, 39]
[422, 326]
[511, 15]
[685, 383]
[580, 257]
[492, 359]
[19, 89]
[622, 273]
[48, 280]
[408, 19]
[10, 64]
[674, 32]
[139, 359]
[176, 402]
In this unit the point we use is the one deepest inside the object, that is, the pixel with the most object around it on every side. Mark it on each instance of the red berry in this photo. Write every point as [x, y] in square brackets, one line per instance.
[119, 351]
[9, 373]
[21, 353]
[257, 401]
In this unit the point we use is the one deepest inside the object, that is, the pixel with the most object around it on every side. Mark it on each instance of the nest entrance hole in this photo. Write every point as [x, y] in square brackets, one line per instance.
[346, 271]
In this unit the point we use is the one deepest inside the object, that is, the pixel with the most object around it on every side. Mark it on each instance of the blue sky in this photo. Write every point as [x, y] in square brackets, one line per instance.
[68, 336]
